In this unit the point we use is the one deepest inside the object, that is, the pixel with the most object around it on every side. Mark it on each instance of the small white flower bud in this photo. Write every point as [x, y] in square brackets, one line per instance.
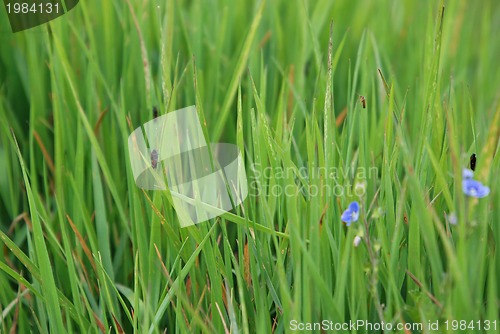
[357, 240]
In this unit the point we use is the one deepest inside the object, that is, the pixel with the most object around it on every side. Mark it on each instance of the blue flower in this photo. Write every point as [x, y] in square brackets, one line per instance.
[351, 214]
[467, 174]
[475, 188]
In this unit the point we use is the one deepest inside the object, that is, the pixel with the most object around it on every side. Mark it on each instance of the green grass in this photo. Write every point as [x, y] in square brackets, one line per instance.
[87, 251]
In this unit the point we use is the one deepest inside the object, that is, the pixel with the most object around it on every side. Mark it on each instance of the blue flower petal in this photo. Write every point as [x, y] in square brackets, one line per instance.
[354, 206]
[474, 188]
[467, 174]
[355, 215]
[346, 216]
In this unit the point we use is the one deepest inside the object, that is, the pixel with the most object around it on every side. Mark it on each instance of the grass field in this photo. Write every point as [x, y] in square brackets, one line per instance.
[87, 251]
